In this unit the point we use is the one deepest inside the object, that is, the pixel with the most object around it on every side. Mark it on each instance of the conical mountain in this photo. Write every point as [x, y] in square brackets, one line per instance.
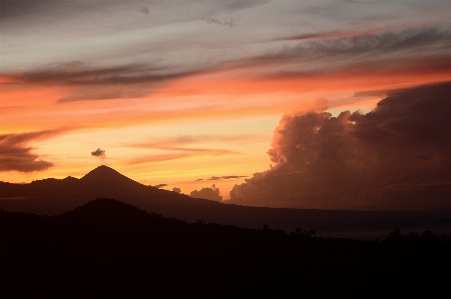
[105, 174]
[104, 181]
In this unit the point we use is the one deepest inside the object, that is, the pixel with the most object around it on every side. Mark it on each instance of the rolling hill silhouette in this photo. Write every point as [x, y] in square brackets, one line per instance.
[108, 247]
[53, 196]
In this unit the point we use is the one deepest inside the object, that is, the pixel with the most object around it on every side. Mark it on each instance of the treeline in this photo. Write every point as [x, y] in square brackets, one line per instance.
[110, 248]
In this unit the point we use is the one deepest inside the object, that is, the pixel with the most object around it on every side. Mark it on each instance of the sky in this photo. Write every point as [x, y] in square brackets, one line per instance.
[269, 103]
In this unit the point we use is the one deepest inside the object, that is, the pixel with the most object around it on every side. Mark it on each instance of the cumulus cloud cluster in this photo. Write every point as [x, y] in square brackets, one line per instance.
[394, 157]
[207, 193]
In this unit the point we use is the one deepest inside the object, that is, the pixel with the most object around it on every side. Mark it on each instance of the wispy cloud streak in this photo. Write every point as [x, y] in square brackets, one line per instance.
[15, 155]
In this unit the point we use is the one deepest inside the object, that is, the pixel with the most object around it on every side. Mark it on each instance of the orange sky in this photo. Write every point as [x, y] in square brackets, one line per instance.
[176, 99]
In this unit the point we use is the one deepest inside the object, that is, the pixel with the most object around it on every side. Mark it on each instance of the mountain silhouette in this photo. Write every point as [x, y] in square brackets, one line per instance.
[104, 181]
[107, 177]
[54, 196]
[104, 172]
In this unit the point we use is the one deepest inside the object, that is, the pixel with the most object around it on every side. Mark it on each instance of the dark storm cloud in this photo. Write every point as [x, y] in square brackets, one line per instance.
[207, 193]
[418, 115]
[15, 155]
[394, 157]
[420, 196]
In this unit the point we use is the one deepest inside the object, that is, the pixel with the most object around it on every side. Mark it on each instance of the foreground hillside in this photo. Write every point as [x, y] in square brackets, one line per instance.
[108, 247]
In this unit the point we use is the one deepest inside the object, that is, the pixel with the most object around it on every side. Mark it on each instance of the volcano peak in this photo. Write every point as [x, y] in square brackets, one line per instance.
[103, 173]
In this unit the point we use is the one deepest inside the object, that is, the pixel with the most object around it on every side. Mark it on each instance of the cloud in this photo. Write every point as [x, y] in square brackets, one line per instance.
[160, 186]
[144, 9]
[59, 73]
[177, 148]
[308, 56]
[225, 177]
[32, 9]
[183, 153]
[85, 82]
[354, 50]
[225, 22]
[177, 190]
[90, 93]
[177, 142]
[98, 153]
[394, 157]
[207, 193]
[331, 34]
[240, 4]
[15, 155]
[420, 196]
[364, 33]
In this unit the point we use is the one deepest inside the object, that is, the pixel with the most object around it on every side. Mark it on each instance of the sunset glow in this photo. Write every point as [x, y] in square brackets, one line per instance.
[190, 94]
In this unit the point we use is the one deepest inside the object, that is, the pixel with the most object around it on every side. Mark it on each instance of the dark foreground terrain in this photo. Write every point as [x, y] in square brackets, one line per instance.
[107, 247]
